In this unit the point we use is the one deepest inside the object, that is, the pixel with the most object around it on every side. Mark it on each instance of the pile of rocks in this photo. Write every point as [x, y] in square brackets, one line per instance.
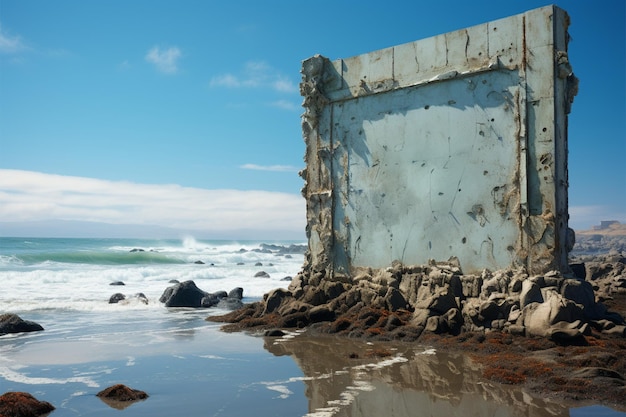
[187, 294]
[437, 298]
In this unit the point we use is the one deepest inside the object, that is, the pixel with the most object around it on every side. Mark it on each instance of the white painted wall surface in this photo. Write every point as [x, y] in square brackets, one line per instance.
[452, 146]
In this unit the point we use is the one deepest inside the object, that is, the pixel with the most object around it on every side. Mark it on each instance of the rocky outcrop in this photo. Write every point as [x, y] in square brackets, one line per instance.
[12, 323]
[280, 249]
[22, 404]
[187, 294]
[607, 275]
[404, 301]
[120, 396]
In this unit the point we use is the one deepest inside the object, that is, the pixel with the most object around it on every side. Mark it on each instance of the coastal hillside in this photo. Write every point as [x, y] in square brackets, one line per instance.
[606, 228]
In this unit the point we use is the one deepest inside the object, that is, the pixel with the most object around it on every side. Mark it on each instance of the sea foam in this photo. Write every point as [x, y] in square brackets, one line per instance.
[76, 275]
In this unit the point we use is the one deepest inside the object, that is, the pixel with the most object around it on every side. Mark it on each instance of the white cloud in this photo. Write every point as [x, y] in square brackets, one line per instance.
[275, 168]
[285, 85]
[256, 74]
[165, 60]
[35, 196]
[584, 217]
[285, 105]
[10, 44]
[226, 80]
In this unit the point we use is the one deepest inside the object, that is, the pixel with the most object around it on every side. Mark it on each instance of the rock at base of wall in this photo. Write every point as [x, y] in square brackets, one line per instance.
[404, 301]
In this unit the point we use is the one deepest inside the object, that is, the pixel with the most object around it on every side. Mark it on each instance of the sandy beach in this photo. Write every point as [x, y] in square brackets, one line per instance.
[189, 366]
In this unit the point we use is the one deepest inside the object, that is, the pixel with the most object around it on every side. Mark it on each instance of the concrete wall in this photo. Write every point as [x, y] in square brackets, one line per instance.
[451, 146]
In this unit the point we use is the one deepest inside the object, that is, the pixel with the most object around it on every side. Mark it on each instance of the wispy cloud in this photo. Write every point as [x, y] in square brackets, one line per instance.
[284, 85]
[10, 44]
[124, 65]
[285, 105]
[165, 60]
[275, 168]
[35, 196]
[256, 74]
[16, 47]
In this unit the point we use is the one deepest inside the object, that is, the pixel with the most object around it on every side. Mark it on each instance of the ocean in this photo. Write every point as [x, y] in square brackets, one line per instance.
[75, 274]
[188, 366]
[89, 344]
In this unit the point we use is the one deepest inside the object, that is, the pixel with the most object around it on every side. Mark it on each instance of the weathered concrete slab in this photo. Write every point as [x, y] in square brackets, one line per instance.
[452, 146]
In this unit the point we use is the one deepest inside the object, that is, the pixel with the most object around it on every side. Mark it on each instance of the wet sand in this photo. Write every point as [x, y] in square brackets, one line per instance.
[189, 367]
[354, 378]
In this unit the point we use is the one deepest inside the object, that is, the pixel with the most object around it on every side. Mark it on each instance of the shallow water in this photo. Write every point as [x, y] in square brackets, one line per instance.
[186, 365]
[347, 378]
[189, 367]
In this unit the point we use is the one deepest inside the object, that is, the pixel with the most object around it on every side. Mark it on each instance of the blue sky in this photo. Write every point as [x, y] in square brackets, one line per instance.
[186, 114]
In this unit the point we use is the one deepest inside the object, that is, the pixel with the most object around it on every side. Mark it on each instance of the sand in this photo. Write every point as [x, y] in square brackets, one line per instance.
[189, 367]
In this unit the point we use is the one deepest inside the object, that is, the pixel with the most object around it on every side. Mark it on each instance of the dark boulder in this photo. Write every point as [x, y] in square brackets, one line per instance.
[220, 294]
[12, 323]
[579, 270]
[117, 283]
[22, 404]
[184, 294]
[121, 392]
[187, 294]
[120, 396]
[209, 300]
[236, 293]
[222, 299]
[274, 333]
[229, 303]
[116, 298]
[261, 274]
[274, 299]
[321, 313]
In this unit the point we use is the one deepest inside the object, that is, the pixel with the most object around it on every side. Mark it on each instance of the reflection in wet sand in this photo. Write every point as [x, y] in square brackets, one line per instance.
[351, 378]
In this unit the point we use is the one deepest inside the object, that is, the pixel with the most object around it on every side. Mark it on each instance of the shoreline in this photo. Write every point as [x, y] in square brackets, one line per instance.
[303, 373]
[445, 371]
[373, 361]
[589, 371]
[557, 335]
